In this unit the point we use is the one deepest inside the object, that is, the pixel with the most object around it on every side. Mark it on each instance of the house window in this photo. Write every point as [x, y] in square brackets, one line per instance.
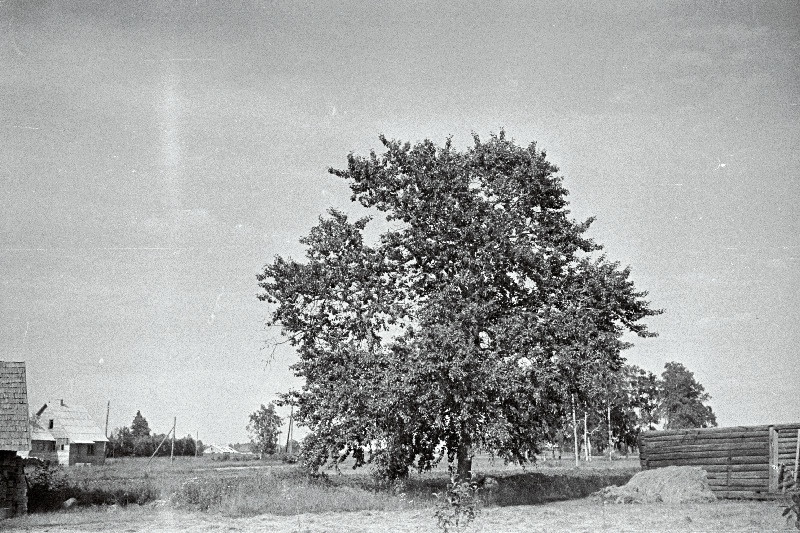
[90, 449]
[52, 446]
[50, 425]
[62, 447]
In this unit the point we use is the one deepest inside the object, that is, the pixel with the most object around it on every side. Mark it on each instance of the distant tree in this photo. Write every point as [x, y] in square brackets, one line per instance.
[120, 443]
[187, 446]
[264, 428]
[293, 444]
[139, 426]
[682, 399]
[644, 397]
[145, 445]
[465, 327]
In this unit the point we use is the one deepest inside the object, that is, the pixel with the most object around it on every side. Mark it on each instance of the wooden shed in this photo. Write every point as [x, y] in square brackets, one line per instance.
[14, 437]
[751, 462]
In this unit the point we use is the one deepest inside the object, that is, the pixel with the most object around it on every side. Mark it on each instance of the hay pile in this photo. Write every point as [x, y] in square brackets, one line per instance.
[671, 484]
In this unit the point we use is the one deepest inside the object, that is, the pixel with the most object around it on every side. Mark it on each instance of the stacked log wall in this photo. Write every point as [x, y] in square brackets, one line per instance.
[741, 462]
[13, 488]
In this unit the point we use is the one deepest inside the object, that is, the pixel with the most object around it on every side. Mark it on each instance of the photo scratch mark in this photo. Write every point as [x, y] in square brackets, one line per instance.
[216, 305]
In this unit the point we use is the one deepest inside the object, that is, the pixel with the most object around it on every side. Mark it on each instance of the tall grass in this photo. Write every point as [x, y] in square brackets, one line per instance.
[280, 493]
[262, 487]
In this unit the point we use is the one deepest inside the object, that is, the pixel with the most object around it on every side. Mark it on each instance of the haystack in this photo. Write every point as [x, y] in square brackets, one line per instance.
[671, 484]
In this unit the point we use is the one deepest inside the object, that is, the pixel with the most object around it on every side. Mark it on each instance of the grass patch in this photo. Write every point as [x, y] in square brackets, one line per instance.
[264, 487]
[287, 492]
[49, 486]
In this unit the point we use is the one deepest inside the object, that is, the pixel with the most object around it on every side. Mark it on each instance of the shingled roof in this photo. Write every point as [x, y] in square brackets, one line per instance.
[38, 432]
[71, 422]
[14, 433]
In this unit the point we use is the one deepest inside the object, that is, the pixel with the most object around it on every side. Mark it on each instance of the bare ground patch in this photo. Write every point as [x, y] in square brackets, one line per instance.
[557, 517]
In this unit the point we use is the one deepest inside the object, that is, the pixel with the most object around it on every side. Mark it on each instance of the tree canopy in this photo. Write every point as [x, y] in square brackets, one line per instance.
[683, 399]
[469, 324]
[137, 440]
[264, 427]
[139, 426]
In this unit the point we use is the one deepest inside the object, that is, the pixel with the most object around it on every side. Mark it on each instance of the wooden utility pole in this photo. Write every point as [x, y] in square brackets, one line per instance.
[172, 450]
[160, 444]
[108, 410]
[289, 433]
[575, 432]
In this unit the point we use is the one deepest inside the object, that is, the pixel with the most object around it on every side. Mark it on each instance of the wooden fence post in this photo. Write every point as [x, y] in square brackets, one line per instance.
[728, 470]
[774, 471]
[796, 456]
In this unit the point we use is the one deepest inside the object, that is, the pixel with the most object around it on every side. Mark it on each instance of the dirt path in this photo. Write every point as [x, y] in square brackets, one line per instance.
[560, 517]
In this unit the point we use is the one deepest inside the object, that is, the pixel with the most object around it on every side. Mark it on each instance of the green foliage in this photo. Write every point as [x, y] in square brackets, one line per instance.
[644, 397]
[633, 397]
[791, 507]
[123, 442]
[49, 487]
[467, 325]
[120, 443]
[682, 399]
[264, 428]
[280, 492]
[457, 507]
[139, 426]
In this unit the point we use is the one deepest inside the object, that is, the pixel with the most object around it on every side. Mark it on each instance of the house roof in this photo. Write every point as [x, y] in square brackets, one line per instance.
[14, 432]
[72, 422]
[218, 448]
[38, 432]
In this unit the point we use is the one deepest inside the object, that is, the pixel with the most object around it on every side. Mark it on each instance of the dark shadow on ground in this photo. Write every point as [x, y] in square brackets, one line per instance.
[529, 488]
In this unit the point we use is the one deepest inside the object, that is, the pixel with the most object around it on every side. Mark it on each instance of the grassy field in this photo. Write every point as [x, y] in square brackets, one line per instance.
[202, 495]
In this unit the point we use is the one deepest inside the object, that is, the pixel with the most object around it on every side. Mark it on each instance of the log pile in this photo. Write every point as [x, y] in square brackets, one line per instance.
[740, 462]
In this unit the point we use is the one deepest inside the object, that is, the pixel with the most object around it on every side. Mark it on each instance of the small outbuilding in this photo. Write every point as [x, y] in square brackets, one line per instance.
[224, 453]
[749, 462]
[78, 440]
[14, 437]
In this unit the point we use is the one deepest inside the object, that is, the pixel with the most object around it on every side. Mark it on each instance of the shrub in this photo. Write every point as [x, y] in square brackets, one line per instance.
[457, 506]
[792, 507]
[49, 487]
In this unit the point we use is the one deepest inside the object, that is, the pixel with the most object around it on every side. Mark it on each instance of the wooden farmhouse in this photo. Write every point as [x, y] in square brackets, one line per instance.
[43, 443]
[14, 437]
[78, 440]
[750, 462]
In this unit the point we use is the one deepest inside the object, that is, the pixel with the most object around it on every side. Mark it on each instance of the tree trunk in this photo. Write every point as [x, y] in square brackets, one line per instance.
[575, 431]
[464, 461]
[586, 455]
[610, 434]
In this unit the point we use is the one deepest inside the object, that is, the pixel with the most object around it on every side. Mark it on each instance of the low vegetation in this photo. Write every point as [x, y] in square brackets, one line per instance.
[248, 488]
[270, 495]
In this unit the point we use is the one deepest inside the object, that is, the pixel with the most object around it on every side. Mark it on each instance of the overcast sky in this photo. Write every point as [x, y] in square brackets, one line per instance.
[154, 155]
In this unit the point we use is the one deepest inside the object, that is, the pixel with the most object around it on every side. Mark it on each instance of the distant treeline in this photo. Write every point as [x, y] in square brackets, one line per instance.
[138, 441]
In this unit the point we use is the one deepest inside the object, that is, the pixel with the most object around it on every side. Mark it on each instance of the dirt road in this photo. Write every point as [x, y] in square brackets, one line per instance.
[569, 516]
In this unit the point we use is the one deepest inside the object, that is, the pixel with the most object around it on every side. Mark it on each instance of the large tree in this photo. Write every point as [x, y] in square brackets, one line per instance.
[139, 426]
[683, 399]
[467, 325]
[264, 428]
